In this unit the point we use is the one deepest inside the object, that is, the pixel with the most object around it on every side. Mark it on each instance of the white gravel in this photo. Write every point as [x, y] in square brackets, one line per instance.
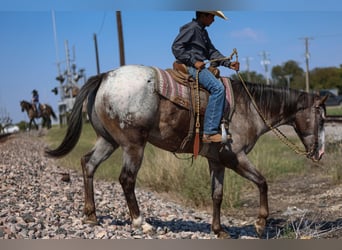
[36, 203]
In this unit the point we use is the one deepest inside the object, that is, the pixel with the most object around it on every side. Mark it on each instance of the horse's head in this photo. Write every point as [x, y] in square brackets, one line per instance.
[309, 124]
[22, 105]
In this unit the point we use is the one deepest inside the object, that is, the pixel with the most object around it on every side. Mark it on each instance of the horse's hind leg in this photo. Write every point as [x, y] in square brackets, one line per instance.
[99, 153]
[48, 122]
[35, 124]
[217, 178]
[132, 159]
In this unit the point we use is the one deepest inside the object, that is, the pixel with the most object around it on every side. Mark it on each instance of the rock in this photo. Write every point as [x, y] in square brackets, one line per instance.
[28, 218]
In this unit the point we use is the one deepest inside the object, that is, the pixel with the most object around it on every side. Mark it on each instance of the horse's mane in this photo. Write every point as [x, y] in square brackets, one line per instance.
[270, 99]
[26, 103]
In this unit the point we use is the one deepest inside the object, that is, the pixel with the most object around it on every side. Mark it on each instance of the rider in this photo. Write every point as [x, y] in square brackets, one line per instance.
[192, 47]
[35, 101]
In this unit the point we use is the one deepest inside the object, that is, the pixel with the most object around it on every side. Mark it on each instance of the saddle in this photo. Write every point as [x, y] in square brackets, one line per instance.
[179, 87]
[42, 108]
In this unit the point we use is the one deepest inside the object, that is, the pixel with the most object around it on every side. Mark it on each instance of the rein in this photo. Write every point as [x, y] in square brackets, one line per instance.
[197, 111]
[281, 136]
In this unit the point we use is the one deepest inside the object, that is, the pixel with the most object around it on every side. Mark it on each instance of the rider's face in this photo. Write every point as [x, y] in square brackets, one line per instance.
[208, 19]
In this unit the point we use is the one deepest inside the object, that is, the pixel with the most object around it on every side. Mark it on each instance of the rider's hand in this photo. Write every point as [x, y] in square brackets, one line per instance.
[234, 66]
[199, 65]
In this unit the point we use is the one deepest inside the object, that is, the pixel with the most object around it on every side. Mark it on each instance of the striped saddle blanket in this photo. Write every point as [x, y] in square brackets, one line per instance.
[180, 94]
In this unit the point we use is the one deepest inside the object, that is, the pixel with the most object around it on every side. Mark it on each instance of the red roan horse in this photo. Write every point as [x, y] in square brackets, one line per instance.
[126, 111]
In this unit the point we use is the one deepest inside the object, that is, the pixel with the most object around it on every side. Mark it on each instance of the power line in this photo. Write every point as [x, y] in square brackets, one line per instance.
[329, 35]
[102, 23]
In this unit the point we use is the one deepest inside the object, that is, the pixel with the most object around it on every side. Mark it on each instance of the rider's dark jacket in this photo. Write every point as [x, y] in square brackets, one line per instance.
[35, 98]
[193, 44]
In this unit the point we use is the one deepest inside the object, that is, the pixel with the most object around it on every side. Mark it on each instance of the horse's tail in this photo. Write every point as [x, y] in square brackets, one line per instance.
[75, 122]
[52, 112]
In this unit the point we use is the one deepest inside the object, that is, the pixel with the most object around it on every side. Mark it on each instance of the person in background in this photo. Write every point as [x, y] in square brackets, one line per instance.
[35, 101]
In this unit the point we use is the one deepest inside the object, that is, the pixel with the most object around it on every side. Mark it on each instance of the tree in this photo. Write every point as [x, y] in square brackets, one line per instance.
[288, 71]
[326, 78]
[253, 76]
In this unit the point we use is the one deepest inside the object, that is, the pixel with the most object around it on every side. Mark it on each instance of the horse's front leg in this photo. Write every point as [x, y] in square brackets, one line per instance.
[35, 124]
[217, 177]
[246, 169]
[32, 122]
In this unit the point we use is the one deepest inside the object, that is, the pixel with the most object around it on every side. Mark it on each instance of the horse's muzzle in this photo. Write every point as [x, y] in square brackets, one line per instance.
[316, 155]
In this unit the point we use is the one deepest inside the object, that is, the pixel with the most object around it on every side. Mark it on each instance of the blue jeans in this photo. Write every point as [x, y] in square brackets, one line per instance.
[37, 107]
[214, 111]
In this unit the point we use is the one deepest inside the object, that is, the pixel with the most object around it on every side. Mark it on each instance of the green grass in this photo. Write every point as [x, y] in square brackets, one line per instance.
[180, 178]
[334, 110]
[108, 170]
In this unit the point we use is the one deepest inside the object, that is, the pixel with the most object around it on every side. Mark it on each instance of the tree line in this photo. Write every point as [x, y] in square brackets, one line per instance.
[290, 74]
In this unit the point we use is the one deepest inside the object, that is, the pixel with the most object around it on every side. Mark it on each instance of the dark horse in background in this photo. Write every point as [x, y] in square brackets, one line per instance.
[126, 111]
[46, 113]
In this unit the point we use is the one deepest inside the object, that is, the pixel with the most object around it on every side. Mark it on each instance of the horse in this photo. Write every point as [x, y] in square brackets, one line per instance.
[126, 111]
[46, 112]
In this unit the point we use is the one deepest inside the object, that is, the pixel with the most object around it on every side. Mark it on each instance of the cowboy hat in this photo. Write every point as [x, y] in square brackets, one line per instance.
[216, 13]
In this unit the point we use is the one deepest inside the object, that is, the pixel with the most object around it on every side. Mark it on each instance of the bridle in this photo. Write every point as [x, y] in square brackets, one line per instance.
[317, 126]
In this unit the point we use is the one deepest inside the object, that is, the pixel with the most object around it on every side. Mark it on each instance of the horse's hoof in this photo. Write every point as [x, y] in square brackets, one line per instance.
[147, 228]
[260, 225]
[223, 235]
[90, 220]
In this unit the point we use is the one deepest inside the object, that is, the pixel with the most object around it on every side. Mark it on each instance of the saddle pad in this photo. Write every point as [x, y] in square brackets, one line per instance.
[177, 93]
[167, 87]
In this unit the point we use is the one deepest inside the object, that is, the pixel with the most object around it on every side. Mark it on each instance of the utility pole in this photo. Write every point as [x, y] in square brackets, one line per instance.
[97, 55]
[69, 80]
[247, 67]
[265, 62]
[55, 40]
[307, 56]
[288, 77]
[120, 36]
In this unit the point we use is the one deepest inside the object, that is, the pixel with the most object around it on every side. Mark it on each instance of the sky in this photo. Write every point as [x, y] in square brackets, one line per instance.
[29, 51]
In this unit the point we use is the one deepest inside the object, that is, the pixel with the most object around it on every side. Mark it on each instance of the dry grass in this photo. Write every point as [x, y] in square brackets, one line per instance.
[307, 228]
[332, 160]
[189, 181]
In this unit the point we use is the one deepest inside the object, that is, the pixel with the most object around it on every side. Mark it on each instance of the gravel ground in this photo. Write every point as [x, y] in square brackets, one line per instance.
[37, 202]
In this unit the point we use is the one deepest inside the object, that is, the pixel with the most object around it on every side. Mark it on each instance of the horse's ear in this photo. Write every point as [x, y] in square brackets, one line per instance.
[302, 101]
[322, 101]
